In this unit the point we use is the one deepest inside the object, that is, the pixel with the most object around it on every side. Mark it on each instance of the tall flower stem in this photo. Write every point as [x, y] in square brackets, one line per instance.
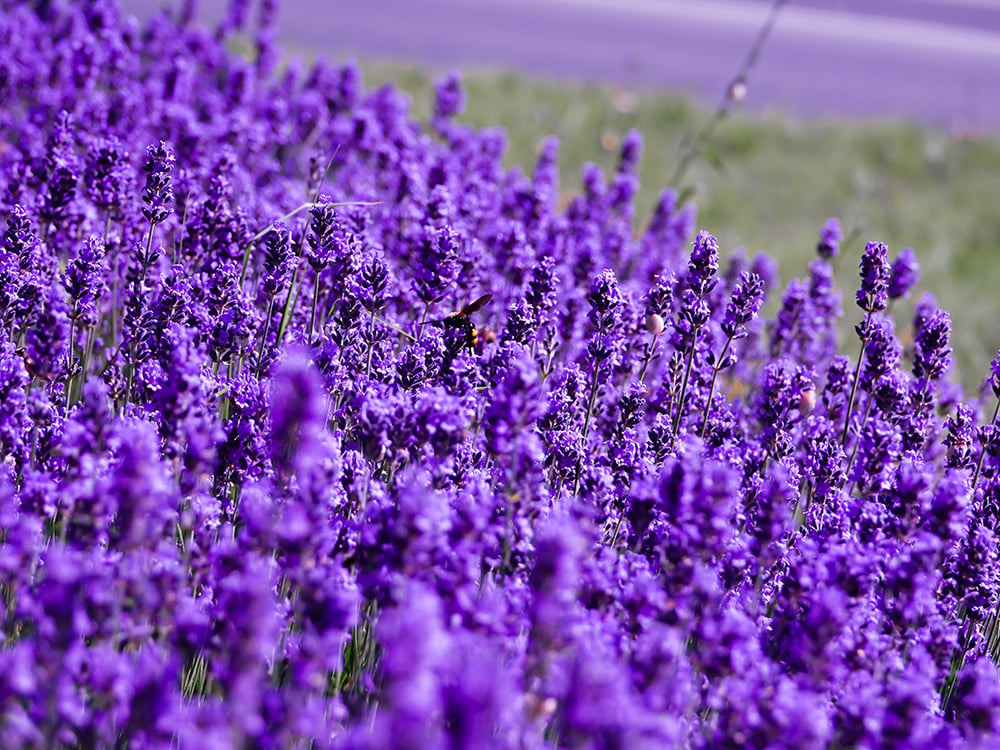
[149, 239]
[684, 383]
[315, 303]
[263, 339]
[854, 450]
[69, 354]
[732, 97]
[371, 345]
[591, 402]
[423, 321]
[854, 384]
[292, 298]
[114, 278]
[982, 454]
[648, 356]
[711, 388]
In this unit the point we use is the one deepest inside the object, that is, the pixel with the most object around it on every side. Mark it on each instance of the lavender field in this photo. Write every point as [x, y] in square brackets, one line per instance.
[321, 428]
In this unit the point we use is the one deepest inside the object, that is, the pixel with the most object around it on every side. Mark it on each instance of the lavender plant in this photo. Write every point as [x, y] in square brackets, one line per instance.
[260, 490]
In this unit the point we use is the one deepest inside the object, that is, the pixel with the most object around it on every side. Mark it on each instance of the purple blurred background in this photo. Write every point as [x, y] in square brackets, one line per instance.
[933, 61]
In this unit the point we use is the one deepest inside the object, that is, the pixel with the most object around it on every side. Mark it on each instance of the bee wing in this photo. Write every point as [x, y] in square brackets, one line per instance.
[476, 304]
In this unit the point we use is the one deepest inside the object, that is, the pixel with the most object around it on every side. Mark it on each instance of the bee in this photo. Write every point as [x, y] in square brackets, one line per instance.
[461, 321]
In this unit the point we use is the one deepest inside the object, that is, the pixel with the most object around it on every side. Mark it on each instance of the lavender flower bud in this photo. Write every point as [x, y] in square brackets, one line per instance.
[703, 265]
[449, 97]
[693, 314]
[437, 265]
[61, 171]
[325, 229]
[541, 293]
[905, 274]
[961, 428]
[931, 353]
[873, 295]
[745, 303]
[374, 284]
[278, 259]
[787, 325]
[838, 383]
[228, 313]
[659, 299]
[631, 152]
[995, 375]
[158, 194]
[829, 239]
[84, 280]
[19, 239]
[882, 353]
[824, 458]
[606, 301]
[108, 178]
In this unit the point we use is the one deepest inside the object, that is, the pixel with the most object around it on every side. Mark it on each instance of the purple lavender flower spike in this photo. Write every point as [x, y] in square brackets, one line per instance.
[873, 295]
[108, 179]
[905, 274]
[829, 239]
[995, 375]
[158, 193]
[931, 352]
[703, 265]
[631, 152]
[961, 429]
[278, 260]
[744, 304]
[449, 98]
[61, 171]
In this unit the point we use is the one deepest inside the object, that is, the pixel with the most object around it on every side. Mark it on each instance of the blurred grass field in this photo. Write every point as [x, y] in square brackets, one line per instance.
[767, 183]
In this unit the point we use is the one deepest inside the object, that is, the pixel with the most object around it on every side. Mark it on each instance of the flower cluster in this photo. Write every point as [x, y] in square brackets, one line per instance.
[320, 428]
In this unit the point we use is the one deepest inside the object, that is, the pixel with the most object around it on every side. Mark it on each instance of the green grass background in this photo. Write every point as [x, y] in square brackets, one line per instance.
[767, 183]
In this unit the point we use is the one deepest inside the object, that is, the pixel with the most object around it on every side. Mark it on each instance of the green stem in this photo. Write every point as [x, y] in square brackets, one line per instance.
[423, 320]
[179, 239]
[618, 526]
[854, 385]
[114, 281]
[684, 383]
[508, 534]
[315, 303]
[711, 388]
[69, 355]
[88, 350]
[725, 106]
[149, 239]
[131, 348]
[982, 453]
[648, 356]
[591, 402]
[290, 299]
[263, 339]
[371, 333]
[854, 451]
[957, 662]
